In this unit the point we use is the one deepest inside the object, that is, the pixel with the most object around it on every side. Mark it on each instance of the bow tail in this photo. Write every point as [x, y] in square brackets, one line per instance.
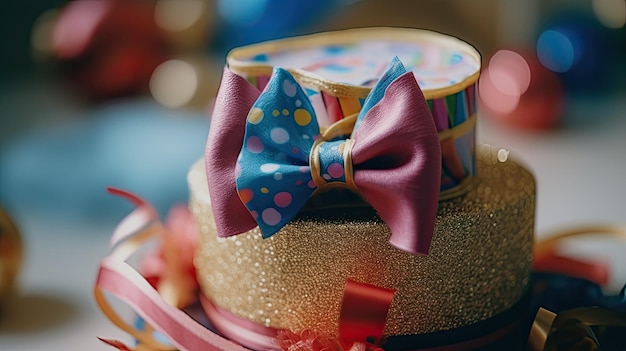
[234, 99]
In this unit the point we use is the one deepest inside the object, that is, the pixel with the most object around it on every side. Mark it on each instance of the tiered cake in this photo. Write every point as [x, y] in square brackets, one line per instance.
[460, 284]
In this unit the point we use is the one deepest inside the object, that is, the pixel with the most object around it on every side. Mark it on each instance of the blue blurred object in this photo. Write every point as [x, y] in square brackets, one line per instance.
[244, 22]
[558, 293]
[579, 49]
[136, 145]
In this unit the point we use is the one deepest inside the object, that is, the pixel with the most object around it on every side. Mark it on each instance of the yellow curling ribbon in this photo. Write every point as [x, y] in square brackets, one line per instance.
[570, 330]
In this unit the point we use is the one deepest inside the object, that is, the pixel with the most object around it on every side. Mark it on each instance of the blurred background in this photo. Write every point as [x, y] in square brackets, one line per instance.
[97, 93]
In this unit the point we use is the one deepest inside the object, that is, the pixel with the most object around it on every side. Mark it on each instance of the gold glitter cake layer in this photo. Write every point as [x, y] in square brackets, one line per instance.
[478, 266]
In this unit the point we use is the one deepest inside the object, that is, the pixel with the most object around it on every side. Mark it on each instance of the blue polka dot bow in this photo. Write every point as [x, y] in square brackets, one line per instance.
[389, 154]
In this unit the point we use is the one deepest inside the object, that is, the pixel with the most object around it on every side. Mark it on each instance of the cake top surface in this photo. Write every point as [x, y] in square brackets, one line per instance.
[359, 57]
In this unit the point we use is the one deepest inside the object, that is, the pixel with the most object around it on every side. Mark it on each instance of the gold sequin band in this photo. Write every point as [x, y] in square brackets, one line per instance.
[478, 266]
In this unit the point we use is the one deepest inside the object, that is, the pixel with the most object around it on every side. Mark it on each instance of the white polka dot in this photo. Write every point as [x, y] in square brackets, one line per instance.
[269, 167]
[305, 136]
[289, 88]
[278, 176]
[298, 103]
[326, 176]
[279, 135]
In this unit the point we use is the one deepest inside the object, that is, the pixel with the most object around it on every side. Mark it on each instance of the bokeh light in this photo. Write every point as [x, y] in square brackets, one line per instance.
[516, 89]
[76, 26]
[179, 15]
[556, 51]
[241, 13]
[503, 155]
[509, 72]
[611, 13]
[503, 82]
[174, 83]
[495, 99]
[41, 35]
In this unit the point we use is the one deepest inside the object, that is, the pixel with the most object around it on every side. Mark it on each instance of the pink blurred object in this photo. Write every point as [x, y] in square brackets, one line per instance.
[108, 48]
[516, 89]
[170, 268]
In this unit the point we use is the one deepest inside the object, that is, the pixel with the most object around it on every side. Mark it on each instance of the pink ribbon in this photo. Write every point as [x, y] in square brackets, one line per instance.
[362, 320]
[363, 314]
[118, 278]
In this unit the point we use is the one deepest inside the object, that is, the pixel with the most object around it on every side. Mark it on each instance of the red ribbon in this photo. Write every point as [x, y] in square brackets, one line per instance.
[364, 312]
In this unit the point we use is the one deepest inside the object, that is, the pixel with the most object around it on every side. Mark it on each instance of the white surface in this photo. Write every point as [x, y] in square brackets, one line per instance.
[580, 173]
[580, 170]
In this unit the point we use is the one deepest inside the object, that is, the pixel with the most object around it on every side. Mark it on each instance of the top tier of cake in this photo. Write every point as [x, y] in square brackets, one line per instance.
[338, 70]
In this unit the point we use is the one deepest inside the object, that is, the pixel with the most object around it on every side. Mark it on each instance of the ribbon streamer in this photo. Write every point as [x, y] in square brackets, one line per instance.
[117, 277]
[120, 279]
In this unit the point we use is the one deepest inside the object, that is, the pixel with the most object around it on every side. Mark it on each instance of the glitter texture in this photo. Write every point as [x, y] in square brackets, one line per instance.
[478, 266]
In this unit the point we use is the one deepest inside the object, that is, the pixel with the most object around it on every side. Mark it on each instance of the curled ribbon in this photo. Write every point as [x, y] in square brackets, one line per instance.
[392, 156]
[363, 315]
[120, 279]
[571, 328]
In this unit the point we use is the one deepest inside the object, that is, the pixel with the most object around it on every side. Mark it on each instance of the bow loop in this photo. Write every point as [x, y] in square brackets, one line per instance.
[273, 175]
[234, 99]
[397, 143]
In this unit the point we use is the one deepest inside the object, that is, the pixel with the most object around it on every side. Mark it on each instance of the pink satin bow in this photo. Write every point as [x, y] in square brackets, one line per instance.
[396, 152]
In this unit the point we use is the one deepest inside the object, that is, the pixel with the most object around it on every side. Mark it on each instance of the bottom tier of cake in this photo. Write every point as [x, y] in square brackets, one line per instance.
[478, 266]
